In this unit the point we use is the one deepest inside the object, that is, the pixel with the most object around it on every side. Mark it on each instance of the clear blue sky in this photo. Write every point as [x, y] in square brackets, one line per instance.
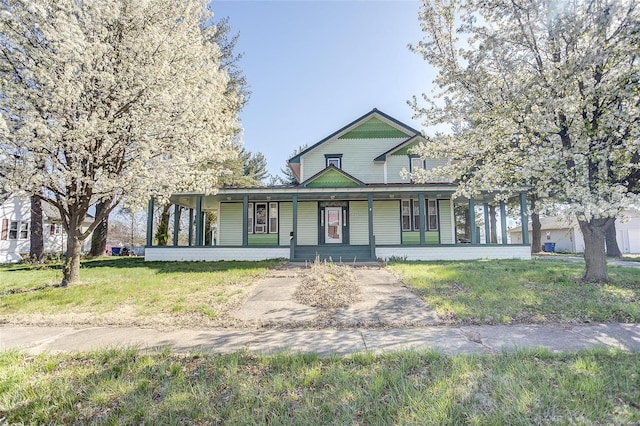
[314, 66]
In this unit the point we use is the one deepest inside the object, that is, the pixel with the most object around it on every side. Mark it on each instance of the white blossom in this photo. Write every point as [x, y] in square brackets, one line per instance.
[106, 100]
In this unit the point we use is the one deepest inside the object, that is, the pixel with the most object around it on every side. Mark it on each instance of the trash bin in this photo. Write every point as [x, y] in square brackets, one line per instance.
[115, 251]
[549, 247]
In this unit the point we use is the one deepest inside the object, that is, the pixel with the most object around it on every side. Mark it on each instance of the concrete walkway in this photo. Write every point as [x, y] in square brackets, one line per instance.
[447, 340]
[385, 302]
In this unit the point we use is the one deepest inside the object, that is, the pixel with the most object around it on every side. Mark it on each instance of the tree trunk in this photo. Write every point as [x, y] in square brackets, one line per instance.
[36, 244]
[536, 233]
[99, 237]
[493, 224]
[612, 242]
[162, 235]
[536, 227]
[71, 268]
[594, 249]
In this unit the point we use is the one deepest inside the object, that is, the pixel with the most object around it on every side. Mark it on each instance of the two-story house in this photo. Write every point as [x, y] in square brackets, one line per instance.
[351, 204]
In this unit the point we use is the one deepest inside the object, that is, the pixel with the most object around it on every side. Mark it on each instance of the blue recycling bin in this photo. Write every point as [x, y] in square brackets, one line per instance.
[549, 247]
[115, 251]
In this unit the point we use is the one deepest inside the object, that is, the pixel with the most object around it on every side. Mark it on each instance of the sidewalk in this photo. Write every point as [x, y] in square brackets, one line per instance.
[389, 317]
[447, 340]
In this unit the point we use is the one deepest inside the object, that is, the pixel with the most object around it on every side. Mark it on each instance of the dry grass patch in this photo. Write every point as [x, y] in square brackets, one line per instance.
[327, 285]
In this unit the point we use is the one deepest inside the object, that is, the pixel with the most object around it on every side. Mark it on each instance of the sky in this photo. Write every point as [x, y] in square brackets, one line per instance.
[315, 66]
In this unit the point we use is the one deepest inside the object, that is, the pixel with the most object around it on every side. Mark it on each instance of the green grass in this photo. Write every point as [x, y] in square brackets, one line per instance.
[128, 284]
[513, 291]
[128, 387]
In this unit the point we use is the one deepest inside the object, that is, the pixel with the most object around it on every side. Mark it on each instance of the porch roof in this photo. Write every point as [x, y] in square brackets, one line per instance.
[286, 193]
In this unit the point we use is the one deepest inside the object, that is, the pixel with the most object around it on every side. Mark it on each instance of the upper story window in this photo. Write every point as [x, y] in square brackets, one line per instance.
[334, 160]
[416, 163]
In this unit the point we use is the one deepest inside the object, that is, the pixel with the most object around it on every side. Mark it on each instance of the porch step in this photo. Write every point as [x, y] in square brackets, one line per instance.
[334, 253]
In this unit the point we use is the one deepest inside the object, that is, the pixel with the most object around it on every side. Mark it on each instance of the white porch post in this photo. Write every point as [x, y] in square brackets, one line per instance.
[472, 221]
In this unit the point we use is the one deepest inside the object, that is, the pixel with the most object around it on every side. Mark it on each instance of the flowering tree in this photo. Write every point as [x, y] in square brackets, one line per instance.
[543, 93]
[110, 100]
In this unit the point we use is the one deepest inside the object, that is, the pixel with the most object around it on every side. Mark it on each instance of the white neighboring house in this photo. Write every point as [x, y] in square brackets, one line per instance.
[567, 236]
[15, 228]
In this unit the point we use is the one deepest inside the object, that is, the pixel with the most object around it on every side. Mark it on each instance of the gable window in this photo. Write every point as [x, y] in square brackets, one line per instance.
[334, 160]
[432, 215]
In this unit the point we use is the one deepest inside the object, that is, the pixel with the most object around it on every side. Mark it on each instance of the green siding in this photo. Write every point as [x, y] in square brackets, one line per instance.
[307, 224]
[374, 129]
[359, 223]
[386, 222]
[263, 239]
[413, 237]
[446, 222]
[405, 150]
[231, 224]
[286, 223]
[332, 179]
[357, 158]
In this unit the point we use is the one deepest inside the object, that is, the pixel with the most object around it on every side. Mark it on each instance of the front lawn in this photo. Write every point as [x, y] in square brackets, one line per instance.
[514, 291]
[129, 291]
[128, 387]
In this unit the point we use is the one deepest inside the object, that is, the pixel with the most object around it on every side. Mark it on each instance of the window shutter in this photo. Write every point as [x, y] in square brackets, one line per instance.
[52, 229]
[5, 228]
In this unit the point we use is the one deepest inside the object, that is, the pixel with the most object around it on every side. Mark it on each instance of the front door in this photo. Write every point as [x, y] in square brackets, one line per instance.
[333, 227]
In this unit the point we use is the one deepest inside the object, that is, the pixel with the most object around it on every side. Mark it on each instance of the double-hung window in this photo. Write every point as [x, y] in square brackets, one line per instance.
[416, 163]
[250, 218]
[432, 215]
[273, 218]
[18, 230]
[411, 215]
[262, 218]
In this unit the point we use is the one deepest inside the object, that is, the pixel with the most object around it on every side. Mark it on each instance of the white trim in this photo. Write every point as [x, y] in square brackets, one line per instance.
[457, 252]
[301, 169]
[385, 171]
[213, 254]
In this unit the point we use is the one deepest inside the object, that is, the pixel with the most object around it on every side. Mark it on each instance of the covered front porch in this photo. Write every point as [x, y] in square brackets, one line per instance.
[413, 222]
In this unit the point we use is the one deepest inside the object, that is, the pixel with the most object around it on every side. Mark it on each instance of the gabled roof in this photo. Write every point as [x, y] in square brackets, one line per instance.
[400, 147]
[332, 177]
[402, 128]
